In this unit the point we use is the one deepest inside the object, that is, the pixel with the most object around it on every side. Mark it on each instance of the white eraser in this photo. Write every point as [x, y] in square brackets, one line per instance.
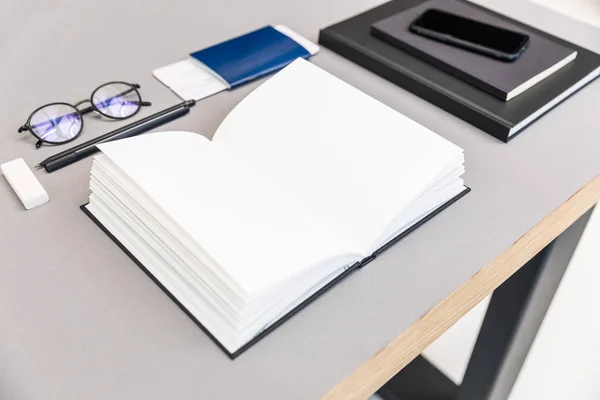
[24, 183]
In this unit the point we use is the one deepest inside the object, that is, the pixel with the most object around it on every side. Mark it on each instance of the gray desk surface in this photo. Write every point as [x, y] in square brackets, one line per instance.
[78, 320]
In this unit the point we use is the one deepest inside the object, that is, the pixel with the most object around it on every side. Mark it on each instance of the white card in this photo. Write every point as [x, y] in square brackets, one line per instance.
[191, 80]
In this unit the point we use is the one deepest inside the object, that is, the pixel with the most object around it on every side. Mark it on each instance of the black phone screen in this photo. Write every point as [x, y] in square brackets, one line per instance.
[472, 31]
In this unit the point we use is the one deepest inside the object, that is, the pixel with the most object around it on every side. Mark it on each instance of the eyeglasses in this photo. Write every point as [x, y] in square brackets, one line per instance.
[58, 123]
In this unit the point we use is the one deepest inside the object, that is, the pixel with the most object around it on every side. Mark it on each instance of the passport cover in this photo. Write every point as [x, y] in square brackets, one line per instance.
[494, 76]
[352, 39]
[250, 56]
[298, 308]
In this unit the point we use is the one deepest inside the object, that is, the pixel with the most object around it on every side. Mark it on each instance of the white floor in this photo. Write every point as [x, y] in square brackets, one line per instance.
[563, 362]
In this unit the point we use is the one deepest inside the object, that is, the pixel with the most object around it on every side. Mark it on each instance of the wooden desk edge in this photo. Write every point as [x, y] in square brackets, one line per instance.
[380, 368]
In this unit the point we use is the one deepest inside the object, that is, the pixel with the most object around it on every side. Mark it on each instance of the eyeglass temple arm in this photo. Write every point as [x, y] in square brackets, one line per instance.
[108, 101]
[89, 109]
[24, 128]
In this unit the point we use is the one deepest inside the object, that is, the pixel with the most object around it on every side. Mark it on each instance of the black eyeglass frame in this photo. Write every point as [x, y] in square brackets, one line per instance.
[134, 86]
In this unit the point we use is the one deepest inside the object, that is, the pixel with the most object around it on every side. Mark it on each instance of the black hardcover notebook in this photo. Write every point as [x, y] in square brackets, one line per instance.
[504, 80]
[354, 40]
[244, 230]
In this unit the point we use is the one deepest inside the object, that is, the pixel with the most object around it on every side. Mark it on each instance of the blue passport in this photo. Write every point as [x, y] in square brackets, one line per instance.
[250, 56]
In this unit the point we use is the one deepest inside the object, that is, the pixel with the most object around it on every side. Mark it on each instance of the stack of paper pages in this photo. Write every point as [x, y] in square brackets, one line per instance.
[304, 181]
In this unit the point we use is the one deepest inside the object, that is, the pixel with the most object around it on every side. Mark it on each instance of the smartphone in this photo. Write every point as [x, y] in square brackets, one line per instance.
[489, 40]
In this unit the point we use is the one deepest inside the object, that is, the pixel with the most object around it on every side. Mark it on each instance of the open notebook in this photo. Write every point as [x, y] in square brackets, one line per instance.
[306, 180]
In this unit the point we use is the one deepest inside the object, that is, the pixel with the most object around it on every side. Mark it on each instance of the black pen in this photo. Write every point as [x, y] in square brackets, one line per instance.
[88, 148]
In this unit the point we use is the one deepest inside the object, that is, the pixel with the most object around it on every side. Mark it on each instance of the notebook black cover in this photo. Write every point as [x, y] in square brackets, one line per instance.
[494, 76]
[352, 39]
[300, 306]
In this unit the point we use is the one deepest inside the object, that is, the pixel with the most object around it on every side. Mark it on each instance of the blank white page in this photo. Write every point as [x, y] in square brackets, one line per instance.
[255, 233]
[353, 162]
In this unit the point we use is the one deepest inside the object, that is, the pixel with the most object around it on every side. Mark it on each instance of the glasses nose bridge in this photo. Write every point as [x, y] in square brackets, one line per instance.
[79, 103]
[85, 110]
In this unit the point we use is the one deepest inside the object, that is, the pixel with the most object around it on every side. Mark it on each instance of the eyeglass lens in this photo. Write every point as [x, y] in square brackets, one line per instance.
[56, 123]
[116, 100]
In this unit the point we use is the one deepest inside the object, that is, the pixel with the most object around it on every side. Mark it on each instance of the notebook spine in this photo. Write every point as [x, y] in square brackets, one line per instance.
[367, 260]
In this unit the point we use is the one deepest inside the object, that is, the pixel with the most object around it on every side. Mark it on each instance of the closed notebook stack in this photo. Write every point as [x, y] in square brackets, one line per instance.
[505, 80]
[305, 181]
[458, 86]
